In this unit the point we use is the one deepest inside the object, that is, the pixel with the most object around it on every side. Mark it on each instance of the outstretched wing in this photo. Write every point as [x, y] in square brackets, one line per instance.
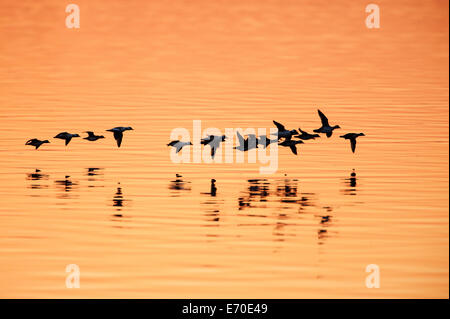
[329, 134]
[68, 139]
[353, 144]
[240, 138]
[323, 118]
[179, 147]
[213, 151]
[293, 149]
[118, 137]
[279, 126]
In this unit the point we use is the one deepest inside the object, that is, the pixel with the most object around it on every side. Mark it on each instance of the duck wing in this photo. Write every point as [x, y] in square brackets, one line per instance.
[353, 144]
[329, 134]
[68, 139]
[323, 118]
[118, 137]
[279, 126]
[293, 149]
[241, 139]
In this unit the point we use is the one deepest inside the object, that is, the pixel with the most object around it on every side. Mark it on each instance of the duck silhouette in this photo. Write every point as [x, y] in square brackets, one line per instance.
[66, 136]
[352, 137]
[283, 132]
[118, 133]
[178, 145]
[36, 143]
[326, 128]
[92, 137]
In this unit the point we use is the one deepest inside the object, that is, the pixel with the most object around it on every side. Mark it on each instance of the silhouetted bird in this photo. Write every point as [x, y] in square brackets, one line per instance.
[292, 144]
[306, 136]
[246, 144]
[214, 142]
[118, 133]
[92, 137]
[283, 132]
[265, 141]
[66, 136]
[178, 145]
[352, 137]
[36, 143]
[326, 128]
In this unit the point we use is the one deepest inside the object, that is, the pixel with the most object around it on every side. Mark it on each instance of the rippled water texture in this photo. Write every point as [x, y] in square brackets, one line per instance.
[135, 229]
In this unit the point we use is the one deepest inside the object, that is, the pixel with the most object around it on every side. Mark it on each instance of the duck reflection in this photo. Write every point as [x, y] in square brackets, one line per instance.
[179, 185]
[37, 176]
[257, 191]
[350, 184]
[94, 174]
[212, 209]
[118, 200]
[67, 185]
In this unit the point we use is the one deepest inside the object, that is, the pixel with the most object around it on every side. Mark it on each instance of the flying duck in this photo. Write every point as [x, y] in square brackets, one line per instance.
[118, 133]
[282, 132]
[265, 141]
[92, 137]
[326, 128]
[352, 137]
[246, 144]
[36, 143]
[306, 136]
[214, 142]
[66, 136]
[178, 145]
[292, 144]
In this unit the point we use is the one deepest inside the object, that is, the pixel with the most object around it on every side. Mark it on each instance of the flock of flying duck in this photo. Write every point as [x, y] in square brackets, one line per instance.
[213, 141]
[253, 142]
[118, 136]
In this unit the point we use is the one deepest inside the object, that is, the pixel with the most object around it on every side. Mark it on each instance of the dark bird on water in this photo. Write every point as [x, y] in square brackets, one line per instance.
[306, 136]
[36, 143]
[291, 144]
[92, 137]
[178, 145]
[118, 133]
[66, 136]
[326, 128]
[352, 137]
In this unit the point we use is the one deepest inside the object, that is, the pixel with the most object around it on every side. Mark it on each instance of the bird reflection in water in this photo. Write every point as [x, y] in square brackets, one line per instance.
[212, 207]
[178, 185]
[93, 174]
[66, 185]
[35, 177]
[350, 184]
[118, 202]
[257, 191]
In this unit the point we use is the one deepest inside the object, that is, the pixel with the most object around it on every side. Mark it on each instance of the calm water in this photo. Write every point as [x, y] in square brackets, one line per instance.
[309, 230]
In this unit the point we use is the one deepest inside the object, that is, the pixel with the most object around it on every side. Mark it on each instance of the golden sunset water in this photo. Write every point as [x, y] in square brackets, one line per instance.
[307, 231]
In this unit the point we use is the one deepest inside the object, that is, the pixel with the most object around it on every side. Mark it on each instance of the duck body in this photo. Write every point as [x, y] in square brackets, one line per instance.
[352, 137]
[325, 128]
[214, 142]
[36, 142]
[178, 145]
[246, 144]
[306, 136]
[283, 132]
[92, 137]
[265, 141]
[118, 133]
[66, 136]
[291, 144]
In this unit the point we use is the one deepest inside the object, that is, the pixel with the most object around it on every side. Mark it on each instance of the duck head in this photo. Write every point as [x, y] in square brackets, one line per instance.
[45, 141]
[336, 126]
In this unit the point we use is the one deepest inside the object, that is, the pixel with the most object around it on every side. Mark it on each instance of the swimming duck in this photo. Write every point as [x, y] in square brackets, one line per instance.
[352, 137]
[36, 143]
[118, 133]
[178, 145]
[282, 132]
[306, 136]
[291, 144]
[92, 137]
[246, 144]
[326, 128]
[66, 136]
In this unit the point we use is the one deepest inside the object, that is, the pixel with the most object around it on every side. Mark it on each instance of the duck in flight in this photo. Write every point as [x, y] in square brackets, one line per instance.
[36, 143]
[246, 144]
[118, 133]
[214, 142]
[306, 136]
[66, 136]
[265, 141]
[326, 128]
[352, 137]
[178, 145]
[92, 137]
[291, 144]
[283, 132]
